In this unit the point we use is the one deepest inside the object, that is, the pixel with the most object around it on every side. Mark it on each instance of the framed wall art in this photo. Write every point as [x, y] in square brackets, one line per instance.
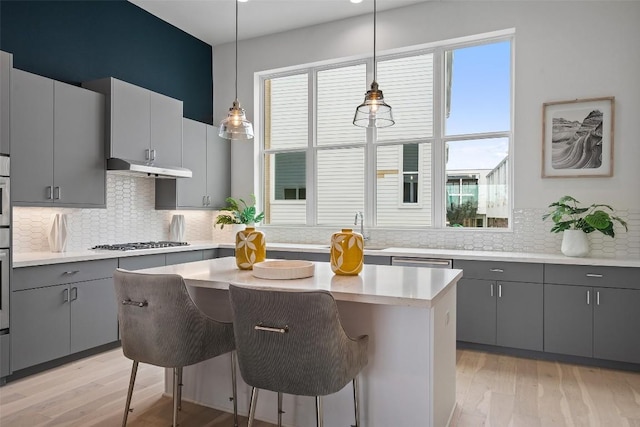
[577, 138]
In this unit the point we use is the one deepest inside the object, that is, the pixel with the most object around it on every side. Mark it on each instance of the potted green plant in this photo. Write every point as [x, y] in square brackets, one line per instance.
[238, 211]
[576, 222]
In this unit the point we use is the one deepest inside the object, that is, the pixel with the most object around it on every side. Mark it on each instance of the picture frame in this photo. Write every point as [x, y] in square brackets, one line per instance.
[577, 138]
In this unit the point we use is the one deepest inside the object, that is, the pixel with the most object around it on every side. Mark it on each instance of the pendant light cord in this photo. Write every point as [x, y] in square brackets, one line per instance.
[374, 42]
[236, 85]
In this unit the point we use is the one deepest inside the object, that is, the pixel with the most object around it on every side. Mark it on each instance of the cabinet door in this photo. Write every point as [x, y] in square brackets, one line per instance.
[94, 314]
[166, 129]
[218, 168]
[225, 252]
[31, 139]
[568, 320]
[192, 191]
[130, 119]
[476, 311]
[79, 164]
[39, 325]
[6, 63]
[520, 315]
[183, 257]
[616, 324]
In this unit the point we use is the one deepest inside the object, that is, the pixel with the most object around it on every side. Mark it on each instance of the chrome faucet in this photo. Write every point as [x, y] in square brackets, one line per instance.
[360, 215]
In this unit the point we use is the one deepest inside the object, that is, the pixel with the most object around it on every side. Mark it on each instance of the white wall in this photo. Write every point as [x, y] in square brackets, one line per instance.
[564, 50]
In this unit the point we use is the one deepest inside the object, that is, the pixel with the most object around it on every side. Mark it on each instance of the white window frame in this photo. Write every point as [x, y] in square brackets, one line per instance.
[437, 140]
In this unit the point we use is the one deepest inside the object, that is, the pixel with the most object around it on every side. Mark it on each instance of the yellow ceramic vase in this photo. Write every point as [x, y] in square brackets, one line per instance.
[347, 252]
[250, 248]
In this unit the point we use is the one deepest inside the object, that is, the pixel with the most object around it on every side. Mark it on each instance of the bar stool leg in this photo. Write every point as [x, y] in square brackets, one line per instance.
[252, 406]
[234, 388]
[280, 410]
[175, 397]
[132, 380]
[355, 401]
[319, 421]
[180, 389]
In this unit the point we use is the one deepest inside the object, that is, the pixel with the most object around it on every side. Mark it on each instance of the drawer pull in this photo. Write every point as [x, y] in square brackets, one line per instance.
[496, 270]
[599, 276]
[136, 303]
[71, 272]
[271, 329]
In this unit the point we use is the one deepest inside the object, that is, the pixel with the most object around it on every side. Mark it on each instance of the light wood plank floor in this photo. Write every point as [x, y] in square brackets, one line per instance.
[492, 390]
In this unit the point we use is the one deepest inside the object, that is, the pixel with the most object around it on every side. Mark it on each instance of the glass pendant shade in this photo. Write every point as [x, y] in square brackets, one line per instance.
[236, 126]
[373, 112]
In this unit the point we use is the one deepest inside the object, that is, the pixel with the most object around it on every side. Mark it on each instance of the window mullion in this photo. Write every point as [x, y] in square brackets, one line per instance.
[438, 170]
[312, 164]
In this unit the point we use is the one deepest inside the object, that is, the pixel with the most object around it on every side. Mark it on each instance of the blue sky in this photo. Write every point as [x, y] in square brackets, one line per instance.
[480, 102]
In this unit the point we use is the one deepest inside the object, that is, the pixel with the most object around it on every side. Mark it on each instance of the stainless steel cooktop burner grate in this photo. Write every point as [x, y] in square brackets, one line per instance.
[139, 245]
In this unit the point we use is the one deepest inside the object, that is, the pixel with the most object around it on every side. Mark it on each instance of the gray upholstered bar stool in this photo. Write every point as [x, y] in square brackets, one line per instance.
[161, 325]
[293, 342]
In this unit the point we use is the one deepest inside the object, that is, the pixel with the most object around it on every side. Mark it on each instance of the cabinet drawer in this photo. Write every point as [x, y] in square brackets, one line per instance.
[58, 274]
[142, 261]
[602, 276]
[500, 270]
[182, 257]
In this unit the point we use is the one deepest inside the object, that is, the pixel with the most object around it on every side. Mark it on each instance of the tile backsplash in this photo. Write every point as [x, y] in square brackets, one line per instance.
[131, 216]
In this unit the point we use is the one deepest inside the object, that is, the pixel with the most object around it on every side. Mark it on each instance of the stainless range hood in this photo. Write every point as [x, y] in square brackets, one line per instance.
[151, 170]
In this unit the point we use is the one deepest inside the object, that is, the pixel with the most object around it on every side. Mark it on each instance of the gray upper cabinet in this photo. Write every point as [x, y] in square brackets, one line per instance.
[208, 157]
[57, 143]
[6, 64]
[500, 303]
[141, 125]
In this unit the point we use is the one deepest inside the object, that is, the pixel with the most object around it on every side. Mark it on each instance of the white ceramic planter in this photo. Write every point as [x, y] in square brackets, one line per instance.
[58, 233]
[575, 243]
[177, 228]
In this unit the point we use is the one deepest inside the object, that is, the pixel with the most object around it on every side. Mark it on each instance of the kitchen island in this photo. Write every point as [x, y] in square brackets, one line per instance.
[409, 314]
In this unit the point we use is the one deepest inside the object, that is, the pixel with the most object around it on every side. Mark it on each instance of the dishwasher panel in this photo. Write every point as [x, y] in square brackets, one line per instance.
[421, 262]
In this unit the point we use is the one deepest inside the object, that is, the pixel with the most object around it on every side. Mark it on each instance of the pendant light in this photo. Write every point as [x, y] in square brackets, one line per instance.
[373, 112]
[236, 127]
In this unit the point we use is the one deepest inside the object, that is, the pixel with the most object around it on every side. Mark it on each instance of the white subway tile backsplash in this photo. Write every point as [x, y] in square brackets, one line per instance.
[130, 216]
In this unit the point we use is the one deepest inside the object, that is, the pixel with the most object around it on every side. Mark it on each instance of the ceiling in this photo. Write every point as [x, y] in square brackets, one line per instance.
[213, 21]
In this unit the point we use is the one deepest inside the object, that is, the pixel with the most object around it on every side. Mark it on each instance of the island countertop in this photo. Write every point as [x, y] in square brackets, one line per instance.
[376, 284]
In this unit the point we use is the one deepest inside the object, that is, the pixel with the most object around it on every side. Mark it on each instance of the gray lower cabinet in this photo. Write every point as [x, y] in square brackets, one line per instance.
[506, 313]
[208, 157]
[57, 143]
[61, 309]
[142, 261]
[592, 322]
[592, 311]
[182, 257]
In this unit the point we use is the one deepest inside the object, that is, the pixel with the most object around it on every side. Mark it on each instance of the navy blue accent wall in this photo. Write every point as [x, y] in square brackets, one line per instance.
[76, 41]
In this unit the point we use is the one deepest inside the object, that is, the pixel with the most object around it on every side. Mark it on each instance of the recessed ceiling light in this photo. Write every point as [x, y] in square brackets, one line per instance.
[355, 1]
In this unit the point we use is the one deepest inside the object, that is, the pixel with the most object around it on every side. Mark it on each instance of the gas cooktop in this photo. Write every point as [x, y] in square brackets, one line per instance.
[139, 245]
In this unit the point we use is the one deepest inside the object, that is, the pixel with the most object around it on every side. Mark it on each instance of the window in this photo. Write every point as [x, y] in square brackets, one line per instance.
[445, 163]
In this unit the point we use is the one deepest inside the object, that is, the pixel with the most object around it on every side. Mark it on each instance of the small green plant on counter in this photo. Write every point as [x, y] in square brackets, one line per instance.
[567, 215]
[238, 212]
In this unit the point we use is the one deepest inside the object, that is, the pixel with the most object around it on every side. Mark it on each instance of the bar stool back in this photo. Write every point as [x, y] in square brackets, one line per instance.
[161, 325]
[293, 342]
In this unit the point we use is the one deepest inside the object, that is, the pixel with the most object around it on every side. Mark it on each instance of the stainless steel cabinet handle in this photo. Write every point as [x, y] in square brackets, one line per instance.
[208, 200]
[588, 297]
[49, 193]
[594, 275]
[71, 272]
[153, 155]
[74, 293]
[598, 298]
[492, 289]
[499, 291]
[204, 200]
[56, 193]
[147, 153]
[65, 294]
[496, 270]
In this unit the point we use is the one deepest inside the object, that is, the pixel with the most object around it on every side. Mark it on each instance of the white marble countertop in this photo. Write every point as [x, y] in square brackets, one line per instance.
[376, 284]
[43, 258]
